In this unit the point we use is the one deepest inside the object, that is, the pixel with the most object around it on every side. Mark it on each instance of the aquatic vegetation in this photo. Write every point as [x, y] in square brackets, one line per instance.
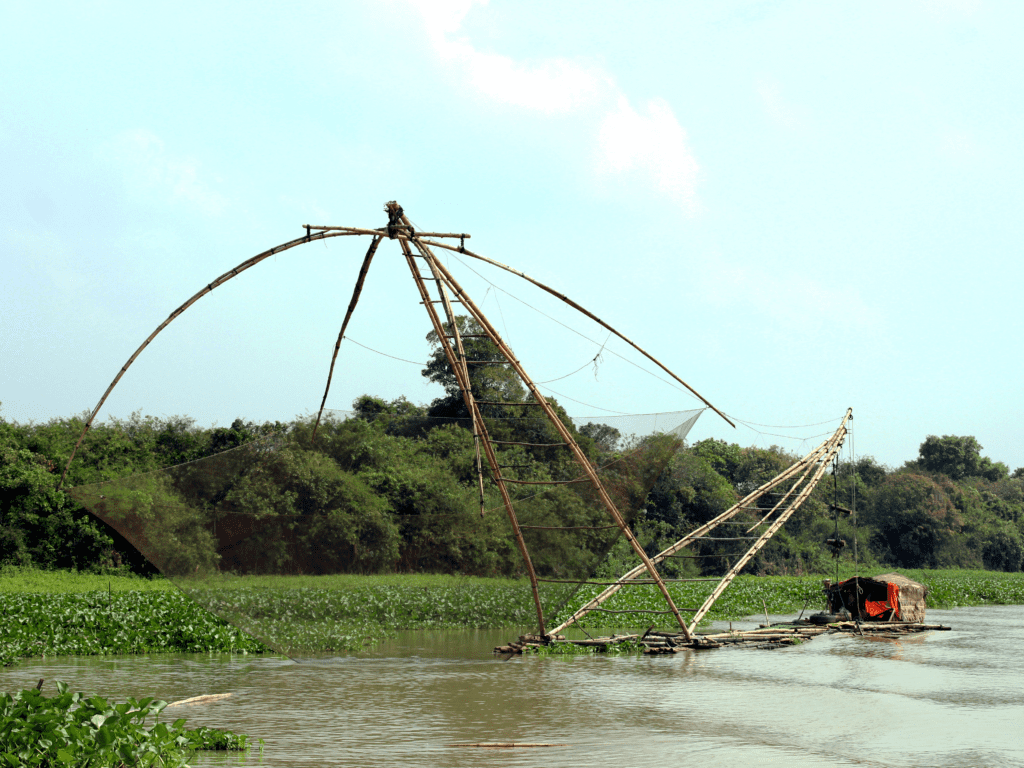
[349, 613]
[958, 588]
[74, 729]
[20, 579]
[754, 595]
[311, 614]
[302, 614]
[41, 624]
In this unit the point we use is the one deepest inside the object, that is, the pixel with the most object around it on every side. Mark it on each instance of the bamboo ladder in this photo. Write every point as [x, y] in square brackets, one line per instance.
[448, 292]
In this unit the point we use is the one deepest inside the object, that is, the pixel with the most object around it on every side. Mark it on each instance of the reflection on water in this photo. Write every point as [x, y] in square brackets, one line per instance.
[937, 699]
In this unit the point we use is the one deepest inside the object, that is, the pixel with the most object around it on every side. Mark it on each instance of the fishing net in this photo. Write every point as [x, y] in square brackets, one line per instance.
[255, 534]
[293, 536]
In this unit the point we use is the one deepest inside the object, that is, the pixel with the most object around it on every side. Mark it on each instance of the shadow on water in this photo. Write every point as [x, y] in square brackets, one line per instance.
[952, 699]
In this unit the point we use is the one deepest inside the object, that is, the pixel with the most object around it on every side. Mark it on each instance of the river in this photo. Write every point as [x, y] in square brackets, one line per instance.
[935, 699]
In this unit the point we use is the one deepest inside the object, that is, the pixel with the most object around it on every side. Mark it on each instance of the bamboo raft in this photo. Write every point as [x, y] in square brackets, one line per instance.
[766, 636]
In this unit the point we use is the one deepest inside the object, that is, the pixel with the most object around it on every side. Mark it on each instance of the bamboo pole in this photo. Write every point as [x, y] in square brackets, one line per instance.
[686, 540]
[349, 230]
[589, 314]
[492, 459]
[834, 443]
[210, 286]
[809, 463]
[456, 336]
[559, 426]
[384, 230]
[348, 316]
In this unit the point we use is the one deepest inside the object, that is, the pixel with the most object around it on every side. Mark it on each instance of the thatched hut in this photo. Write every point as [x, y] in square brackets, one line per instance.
[886, 597]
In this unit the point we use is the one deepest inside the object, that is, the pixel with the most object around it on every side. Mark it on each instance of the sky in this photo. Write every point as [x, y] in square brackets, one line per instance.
[798, 207]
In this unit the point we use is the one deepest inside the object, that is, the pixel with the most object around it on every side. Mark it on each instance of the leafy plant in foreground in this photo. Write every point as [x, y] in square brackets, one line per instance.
[73, 729]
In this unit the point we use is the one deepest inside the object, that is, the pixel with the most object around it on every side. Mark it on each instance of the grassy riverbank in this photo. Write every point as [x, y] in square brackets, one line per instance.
[60, 613]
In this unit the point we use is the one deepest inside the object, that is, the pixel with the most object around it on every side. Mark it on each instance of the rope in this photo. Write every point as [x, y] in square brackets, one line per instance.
[779, 426]
[569, 328]
[385, 354]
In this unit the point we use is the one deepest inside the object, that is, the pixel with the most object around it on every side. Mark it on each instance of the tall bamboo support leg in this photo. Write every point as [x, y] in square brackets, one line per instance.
[565, 435]
[461, 374]
[460, 355]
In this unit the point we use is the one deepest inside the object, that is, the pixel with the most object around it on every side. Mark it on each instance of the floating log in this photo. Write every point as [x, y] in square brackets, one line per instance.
[200, 699]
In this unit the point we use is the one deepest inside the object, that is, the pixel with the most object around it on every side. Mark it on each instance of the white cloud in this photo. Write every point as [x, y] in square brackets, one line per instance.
[443, 17]
[149, 168]
[779, 111]
[649, 142]
[788, 303]
[549, 85]
[652, 143]
[555, 85]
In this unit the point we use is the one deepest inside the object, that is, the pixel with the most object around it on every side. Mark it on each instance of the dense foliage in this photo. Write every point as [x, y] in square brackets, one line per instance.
[394, 490]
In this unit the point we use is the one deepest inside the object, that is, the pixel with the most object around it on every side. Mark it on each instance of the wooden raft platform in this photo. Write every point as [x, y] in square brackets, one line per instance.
[765, 636]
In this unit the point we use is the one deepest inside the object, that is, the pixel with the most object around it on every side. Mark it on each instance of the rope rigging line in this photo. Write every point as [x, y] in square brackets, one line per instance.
[586, 364]
[570, 328]
[385, 354]
[590, 405]
[780, 426]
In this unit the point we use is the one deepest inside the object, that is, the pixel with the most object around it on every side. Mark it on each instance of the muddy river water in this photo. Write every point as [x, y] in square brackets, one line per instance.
[936, 699]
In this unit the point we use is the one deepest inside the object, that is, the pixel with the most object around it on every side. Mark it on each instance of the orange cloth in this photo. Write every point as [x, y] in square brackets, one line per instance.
[893, 594]
[875, 607]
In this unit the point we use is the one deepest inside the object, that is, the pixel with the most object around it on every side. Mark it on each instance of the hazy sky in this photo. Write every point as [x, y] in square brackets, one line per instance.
[799, 207]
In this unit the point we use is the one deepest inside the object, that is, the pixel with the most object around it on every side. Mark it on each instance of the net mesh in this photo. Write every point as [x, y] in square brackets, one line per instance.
[249, 532]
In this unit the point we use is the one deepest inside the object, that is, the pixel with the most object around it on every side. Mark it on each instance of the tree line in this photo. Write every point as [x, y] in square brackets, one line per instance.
[395, 489]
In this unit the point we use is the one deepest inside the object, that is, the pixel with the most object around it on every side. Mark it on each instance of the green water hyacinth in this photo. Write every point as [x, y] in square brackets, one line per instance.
[72, 729]
[120, 623]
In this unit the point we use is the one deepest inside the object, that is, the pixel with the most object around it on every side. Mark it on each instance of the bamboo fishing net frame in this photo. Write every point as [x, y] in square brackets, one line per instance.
[400, 228]
[810, 469]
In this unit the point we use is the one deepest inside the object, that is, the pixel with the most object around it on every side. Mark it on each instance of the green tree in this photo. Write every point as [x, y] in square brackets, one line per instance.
[606, 438]
[958, 457]
[491, 379]
[40, 525]
[916, 522]
[314, 516]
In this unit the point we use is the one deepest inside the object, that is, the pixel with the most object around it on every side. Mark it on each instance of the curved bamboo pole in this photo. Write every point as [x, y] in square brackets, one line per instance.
[251, 262]
[577, 307]
[348, 316]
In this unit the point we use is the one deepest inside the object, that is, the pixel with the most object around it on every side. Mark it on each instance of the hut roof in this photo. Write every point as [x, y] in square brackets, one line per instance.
[899, 580]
